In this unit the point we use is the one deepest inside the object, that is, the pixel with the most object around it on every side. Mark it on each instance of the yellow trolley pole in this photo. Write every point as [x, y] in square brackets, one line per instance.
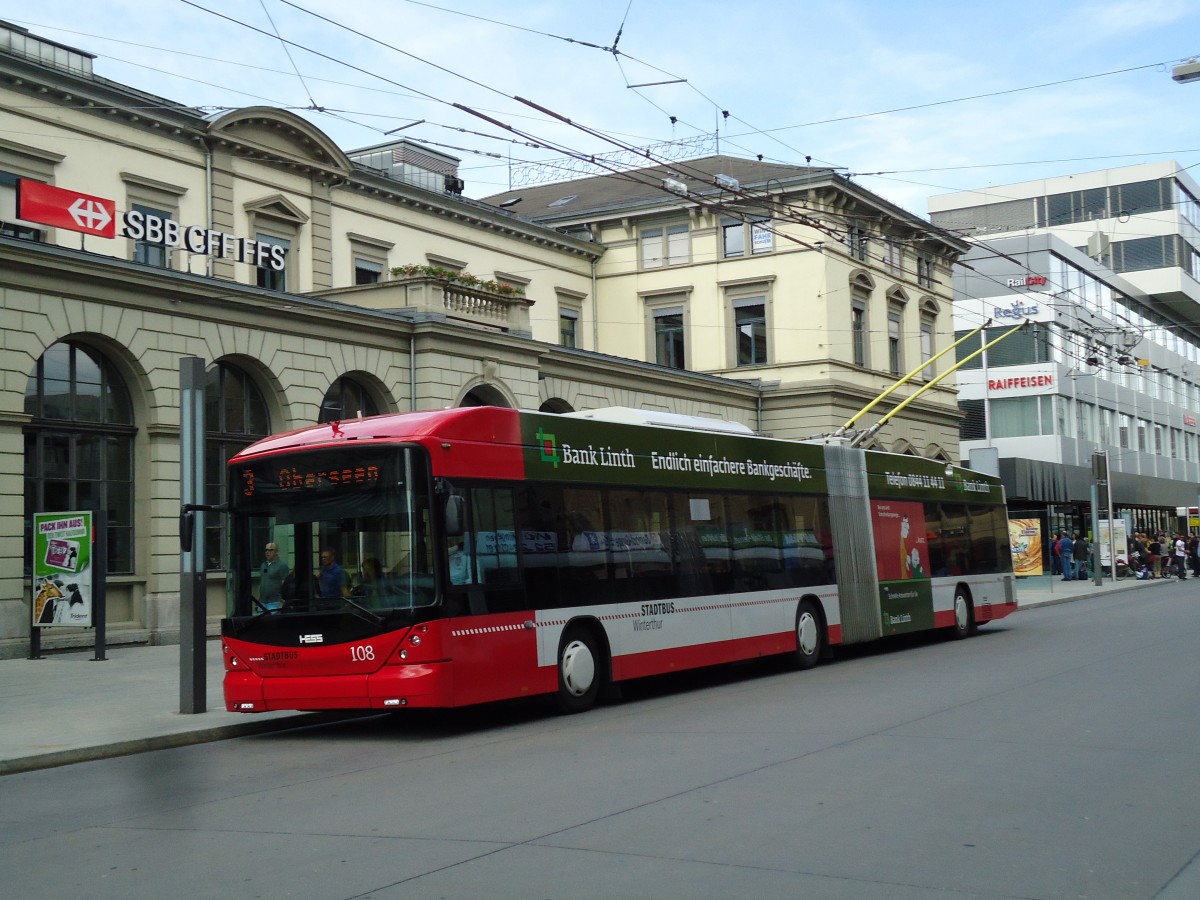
[870, 432]
[925, 365]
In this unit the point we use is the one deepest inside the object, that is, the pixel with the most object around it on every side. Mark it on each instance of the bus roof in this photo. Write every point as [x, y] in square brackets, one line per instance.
[487, 423]
[474, 422]
[496, 442]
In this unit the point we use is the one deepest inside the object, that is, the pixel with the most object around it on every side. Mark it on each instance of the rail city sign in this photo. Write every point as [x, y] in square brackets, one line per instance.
[1029, 281]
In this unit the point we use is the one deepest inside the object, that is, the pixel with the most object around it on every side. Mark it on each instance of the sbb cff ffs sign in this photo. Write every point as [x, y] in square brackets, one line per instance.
[60, 208]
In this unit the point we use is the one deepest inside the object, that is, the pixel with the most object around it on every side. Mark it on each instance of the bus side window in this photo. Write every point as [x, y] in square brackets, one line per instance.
[584, 576]
[493, 525]
[544, 543]
[458, 556]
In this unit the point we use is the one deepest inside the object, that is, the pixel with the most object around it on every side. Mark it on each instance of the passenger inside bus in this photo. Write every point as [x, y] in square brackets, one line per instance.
[274, 571]
[331, 577]
[370, 581]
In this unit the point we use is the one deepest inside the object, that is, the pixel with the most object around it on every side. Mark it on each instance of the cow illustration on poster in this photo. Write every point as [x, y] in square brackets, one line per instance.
[901, 549]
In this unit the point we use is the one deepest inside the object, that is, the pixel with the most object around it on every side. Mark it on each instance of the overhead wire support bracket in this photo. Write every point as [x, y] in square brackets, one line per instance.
[900, 382]
[864, 435]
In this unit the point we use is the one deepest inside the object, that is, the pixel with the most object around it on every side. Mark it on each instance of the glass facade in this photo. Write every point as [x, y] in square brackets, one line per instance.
[1067, 208]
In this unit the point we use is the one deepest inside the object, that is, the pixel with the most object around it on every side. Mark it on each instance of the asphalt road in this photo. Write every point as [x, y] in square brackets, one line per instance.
[1056, 755]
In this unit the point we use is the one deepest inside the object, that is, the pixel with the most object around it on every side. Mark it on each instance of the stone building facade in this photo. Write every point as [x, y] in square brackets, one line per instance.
[317, 287]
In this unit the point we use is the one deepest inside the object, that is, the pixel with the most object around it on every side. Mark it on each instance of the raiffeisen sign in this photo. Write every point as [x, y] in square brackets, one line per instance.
[1031, 383]
[60, 208]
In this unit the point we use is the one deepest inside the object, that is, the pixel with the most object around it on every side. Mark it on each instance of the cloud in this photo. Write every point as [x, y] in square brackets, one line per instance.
[1125, 18]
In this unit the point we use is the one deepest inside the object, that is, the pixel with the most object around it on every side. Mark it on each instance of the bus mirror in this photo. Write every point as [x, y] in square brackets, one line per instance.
[187, 522]
[454, 515]
[187, 529]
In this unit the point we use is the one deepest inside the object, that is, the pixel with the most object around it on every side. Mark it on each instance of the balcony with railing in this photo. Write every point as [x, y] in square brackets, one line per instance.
[452, 297]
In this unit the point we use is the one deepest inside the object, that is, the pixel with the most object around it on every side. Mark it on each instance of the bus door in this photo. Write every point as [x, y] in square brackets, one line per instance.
[492, 639]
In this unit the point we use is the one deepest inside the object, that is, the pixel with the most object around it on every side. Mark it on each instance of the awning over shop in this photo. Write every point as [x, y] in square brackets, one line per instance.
[1035, 479]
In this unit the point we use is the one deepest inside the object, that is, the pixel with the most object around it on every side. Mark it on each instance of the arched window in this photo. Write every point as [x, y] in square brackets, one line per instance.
[235, 416]
[484, 395]
[79, 444]
[346, 399]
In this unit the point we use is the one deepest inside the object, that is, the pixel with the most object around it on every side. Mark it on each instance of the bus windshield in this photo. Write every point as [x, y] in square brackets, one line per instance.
[323, 530]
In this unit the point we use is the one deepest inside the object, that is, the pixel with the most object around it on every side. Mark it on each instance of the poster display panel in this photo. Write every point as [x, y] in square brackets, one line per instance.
[1120, 540]
[1025, 539]
[62, 569]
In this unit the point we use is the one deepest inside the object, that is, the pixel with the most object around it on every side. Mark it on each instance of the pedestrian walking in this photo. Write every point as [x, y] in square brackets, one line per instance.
[1066, 552]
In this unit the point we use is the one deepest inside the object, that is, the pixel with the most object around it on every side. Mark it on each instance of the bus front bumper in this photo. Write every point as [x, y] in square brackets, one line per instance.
[391, 687]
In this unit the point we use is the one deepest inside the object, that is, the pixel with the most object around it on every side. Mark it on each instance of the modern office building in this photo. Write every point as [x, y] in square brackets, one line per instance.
[1105, 266]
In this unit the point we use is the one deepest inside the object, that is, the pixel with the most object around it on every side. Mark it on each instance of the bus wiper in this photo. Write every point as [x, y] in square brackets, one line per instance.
[265, 610]
[369, 614]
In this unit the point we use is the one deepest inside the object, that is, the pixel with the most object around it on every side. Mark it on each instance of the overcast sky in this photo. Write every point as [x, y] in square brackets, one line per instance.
[936, 96]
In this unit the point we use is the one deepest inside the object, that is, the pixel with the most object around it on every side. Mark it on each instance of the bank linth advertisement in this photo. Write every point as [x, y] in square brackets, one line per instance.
[902, 560]
[62, 569]
[901, 550]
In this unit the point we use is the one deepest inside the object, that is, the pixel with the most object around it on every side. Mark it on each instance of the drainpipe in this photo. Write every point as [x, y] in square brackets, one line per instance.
[208, 202]
[595, 313]
[412, 371]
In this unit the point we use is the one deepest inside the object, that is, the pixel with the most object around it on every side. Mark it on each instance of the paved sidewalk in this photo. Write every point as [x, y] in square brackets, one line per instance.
[1041, 590]
[70, 707]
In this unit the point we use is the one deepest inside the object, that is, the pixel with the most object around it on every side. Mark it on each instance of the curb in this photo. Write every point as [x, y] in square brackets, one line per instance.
[1119, 588]
[170, 741]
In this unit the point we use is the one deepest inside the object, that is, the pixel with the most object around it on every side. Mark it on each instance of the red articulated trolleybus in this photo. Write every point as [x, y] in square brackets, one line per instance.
[440, 559]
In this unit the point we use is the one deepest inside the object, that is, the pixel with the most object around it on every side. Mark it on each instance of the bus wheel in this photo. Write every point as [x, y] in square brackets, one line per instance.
[810, 636]
[964, 614]
[578, 671]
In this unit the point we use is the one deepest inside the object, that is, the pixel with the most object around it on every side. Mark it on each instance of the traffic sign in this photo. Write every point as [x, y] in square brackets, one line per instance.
[60, 208]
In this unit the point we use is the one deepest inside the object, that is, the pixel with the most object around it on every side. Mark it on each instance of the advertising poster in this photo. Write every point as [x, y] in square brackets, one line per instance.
[901, 551]
[902, 560]
[1120, 540]
[1025, 539]
[62, 569]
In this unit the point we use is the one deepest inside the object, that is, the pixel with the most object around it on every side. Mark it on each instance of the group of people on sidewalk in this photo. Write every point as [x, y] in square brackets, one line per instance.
[1149, 556]
[1069, 556]
[1163, 556]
